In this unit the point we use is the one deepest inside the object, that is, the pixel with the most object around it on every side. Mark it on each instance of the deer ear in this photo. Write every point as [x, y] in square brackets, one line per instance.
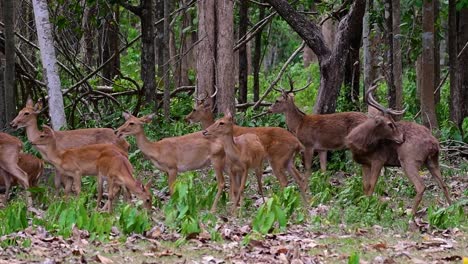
[148, 186]
[29, 102]
[38, 106]
[207, 106]
[147, 118]
[48, 130]
[126, 115]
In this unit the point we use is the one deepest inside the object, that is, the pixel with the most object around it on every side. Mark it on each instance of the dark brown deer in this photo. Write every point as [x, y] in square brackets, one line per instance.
[280, 145]
[379, 141]
[318, 133]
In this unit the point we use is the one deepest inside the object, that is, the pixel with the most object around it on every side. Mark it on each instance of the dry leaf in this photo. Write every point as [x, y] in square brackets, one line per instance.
[104, 260]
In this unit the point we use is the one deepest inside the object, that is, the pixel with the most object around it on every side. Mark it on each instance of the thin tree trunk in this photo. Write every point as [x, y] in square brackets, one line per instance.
[86, 42]
[428, 86]
[463, 60]
[456, 111]
[166, 66]
[436, 51]
[243, 64]
[159, 43]
[206, 48]
[148, 63]
[8, 98]
[257, 57]
[110, 44]
[389, 56]
[397, 62]
[49, 63]
[224, 59]
[368, 49]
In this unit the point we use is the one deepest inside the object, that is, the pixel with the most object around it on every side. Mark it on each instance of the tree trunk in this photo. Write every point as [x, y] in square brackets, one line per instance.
[7, 111]
[166, 66]
[49, 63]
[86, 42]
[368, 49]
[224, 56]
[331, 61]
[428, 86]
[206, 48]
[110, 44]
[257, 56]
[436, 51]
[463, 60]
[397, 62]
[243, 64]
[389, 55]
[456, 111]
[148, 62]
[352, 72]
[159, 43]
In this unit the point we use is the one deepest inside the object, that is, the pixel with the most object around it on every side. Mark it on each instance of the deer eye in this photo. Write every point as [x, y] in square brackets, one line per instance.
[391, 125]
[27, 113]
[42, 136]
[131, 123]
[221, 123]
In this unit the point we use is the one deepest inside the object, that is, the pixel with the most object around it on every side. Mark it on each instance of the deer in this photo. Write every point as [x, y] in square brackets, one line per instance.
[380, 141]
[317, 132]
[27, 118]
[176, 154]
[33, 166]
[73, 163]
[115, 166]
[280, 145]
[10, 148]
[242, 153]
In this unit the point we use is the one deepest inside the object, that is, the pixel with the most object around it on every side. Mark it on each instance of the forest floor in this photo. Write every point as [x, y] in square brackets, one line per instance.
[306, 242]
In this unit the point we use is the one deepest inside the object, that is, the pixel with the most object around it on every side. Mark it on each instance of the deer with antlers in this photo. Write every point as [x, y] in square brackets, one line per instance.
[380, 141]
[242, 153]
[319, 133]
[176, 154]
[27, 118]
[10, 148]
[280, 145]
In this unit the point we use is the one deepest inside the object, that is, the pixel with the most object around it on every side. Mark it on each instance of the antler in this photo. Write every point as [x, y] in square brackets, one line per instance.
[291, 86]
[372, 102]
[206, 95]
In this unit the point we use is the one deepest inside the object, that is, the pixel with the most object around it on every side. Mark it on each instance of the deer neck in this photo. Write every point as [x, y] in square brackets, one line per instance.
[143, 143]
[32, 131]
[230, 148]
[53, 153]
[293, 118]
[207, 121]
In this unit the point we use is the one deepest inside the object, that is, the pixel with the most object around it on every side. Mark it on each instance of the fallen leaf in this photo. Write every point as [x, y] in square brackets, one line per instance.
[104, 260]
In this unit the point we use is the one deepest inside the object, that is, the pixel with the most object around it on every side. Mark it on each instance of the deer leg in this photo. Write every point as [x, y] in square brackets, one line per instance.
[77, 182]
[300, 181]
[58, 180]
[172, 175]
[308, 157]
[258, 175]
[100, 184]
[126, 194]
[243, 179]
[366, 171]
[218, 165]
[7, 180]
[323, 160]
[432, 164]
[111, 192]
[372, 178]
[411, 170]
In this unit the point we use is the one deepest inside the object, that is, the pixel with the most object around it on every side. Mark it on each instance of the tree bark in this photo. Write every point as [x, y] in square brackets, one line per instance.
[86, 42]
[455, 91]
[428, 86]
[110, 44]
[49, 63]
[436, 51]
[331, 62]
[206, 48]
[257, 56]
[368, 49]
[463, 61]
[243, 64]
[8, 97]
[148, 63]
[397, 62]
[225, 56]
[166, 66]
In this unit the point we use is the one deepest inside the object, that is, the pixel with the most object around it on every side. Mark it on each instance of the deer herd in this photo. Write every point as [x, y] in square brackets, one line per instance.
[374, 140]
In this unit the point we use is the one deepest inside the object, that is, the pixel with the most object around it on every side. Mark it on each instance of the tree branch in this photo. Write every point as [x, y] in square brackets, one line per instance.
[137, 10]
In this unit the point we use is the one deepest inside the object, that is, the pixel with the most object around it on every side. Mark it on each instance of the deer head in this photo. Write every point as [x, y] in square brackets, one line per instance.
[133, 125]
[222, 127]
[286, 100]
[144, 194]
[200, 111]
[27, 115]
[47, 137]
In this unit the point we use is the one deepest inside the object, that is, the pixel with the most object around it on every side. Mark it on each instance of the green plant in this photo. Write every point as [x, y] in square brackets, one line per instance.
[448, 217]
[132, 220]
[269, 213]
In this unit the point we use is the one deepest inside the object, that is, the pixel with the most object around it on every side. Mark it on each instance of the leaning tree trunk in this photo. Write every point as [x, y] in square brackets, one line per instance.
[7, 103]
[49, 63]
[243, 63]
[428, 86]
[206, 48]
[225, 55]
[331, 61]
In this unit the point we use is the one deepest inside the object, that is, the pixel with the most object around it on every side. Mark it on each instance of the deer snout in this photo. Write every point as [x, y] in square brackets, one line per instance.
[13, 125]
[205, 133]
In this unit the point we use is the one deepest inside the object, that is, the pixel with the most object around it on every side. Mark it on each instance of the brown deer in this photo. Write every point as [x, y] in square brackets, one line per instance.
[242, 153]
[27, 118]
[115, 166]
[10, 148]
[379, 141]
[33, 166]
[177, 154]
[318, 133]
[73, 163]
[280, 145]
